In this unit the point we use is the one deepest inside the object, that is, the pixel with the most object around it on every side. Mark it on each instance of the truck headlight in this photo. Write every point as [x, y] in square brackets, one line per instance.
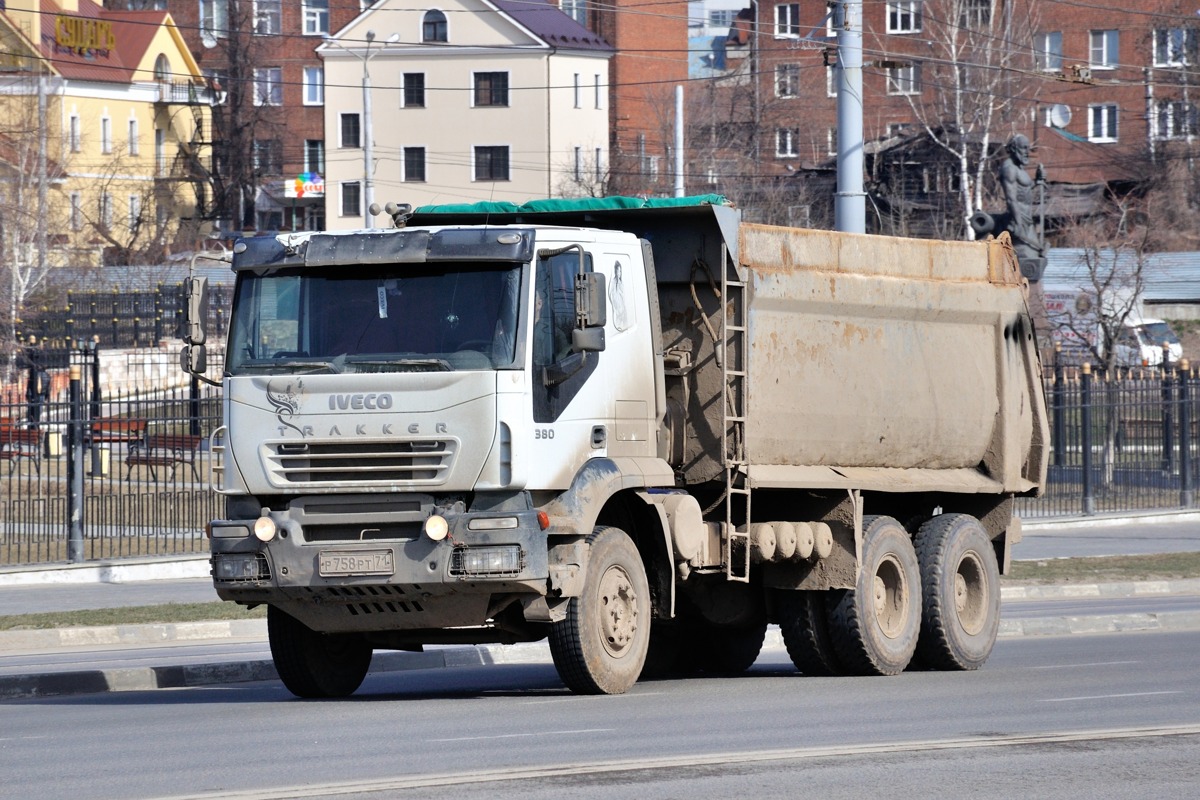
[436, 527]
[265, 529]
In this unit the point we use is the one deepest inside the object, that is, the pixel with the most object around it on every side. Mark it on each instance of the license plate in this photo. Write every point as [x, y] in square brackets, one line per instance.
[343, 563]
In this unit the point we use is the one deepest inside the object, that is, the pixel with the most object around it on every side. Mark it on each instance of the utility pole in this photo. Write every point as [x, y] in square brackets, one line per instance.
[849, 211]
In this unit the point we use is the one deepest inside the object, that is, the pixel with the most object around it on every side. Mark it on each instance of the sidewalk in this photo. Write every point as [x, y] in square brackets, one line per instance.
[152, 581]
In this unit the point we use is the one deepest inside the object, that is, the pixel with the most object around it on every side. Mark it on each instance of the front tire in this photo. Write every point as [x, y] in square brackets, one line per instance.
[961, 581]
[315, 665]
[601, 646]
[875, 626]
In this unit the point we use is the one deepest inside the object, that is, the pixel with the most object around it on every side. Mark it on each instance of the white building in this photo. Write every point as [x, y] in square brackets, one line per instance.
[471, 100]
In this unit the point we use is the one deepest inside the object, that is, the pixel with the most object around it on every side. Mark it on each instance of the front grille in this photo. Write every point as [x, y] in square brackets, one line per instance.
[365, 600]
[421, 462]
[362, 533]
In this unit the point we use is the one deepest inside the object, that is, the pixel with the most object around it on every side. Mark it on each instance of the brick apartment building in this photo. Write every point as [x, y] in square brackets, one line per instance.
[1102, 90]
[269, 123]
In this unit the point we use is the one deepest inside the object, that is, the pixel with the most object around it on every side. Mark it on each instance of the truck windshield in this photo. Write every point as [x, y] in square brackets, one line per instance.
[1160, 333]
[398, 318]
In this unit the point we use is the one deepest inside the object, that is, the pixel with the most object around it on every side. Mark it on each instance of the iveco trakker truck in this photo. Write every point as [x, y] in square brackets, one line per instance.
[641, 430]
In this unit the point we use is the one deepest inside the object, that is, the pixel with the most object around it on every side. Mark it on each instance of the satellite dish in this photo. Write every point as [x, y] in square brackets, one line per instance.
[208, 39]
[1059, 116]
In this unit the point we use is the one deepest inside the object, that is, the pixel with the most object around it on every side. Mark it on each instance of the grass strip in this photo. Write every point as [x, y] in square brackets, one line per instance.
[1106, 569]
[131, 615]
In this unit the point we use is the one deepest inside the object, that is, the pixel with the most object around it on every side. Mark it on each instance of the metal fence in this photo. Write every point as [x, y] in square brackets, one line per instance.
[85, 477]
[121, 319]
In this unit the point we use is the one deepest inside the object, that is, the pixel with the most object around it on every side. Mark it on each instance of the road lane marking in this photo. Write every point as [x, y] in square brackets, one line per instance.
[523, 735]
[1093, 664]
[575, 698]
[1101, 697]
[389, 786]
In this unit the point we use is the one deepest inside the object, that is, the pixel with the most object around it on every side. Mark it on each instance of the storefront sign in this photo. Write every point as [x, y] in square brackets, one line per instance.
[81, 34]
[306, 184]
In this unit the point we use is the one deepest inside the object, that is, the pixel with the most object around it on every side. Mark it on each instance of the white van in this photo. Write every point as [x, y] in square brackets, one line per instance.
[1141, 343]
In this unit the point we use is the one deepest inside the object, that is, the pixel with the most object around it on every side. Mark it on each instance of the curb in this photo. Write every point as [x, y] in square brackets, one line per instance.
[1108, 520]
[1116, 623]
[1059, 591]
[115, 571]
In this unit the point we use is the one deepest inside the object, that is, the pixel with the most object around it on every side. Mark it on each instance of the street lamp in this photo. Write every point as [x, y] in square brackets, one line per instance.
[368, 197]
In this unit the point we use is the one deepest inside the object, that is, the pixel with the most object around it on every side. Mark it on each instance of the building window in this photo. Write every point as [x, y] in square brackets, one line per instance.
[106, 210]
[268, 156]
[75, 136]
[314, 155]
[787, 20]
[268, 86]
[975, 14]
[491, 163]
[576, 10]
[413, 94]
[351, 131]
[1048, 51]
[351, 199]
[787, 142]
[316, 17]
[268, 16]
[578, 91]
[721, 17]
[578, 164]
[433, 27]
[599, 164]
[214, 19]
[1174, 119]
[1102, 123]
[904, 16]
[491, 89]
[76, 211]
[596, 84]
[135, 212]
[414, 164]
[105, 135]
[787, 80]
[1104, 46]
[904, 79]
[1174, 47]
[831, 143]
[314, 86]
[831, 82]
[160, 151]
[135, 146]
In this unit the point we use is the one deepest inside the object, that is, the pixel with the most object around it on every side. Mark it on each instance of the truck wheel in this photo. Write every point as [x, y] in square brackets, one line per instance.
[315, 665]
[875, 625]
[727, 651]
[601, 645]
[961, 581]
[805, 628]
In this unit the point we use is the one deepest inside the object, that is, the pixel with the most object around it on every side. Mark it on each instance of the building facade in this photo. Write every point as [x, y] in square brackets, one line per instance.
[473, 100]
[103, 137]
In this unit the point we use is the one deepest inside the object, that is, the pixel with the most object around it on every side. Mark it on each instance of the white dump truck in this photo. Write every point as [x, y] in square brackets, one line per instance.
[642, 430]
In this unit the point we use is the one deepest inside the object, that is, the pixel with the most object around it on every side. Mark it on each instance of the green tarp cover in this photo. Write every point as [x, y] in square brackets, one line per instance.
[573, 204]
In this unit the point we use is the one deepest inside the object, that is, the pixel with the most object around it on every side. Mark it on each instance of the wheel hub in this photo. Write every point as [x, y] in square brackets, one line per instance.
[891, 598]
[618, 611]
[970, 594]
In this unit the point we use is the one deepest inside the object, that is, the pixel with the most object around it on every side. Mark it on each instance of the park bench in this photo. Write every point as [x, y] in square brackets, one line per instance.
[164, 450]
[113, 430]
[17, 443]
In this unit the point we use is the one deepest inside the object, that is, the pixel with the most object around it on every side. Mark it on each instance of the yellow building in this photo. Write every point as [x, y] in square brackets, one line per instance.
[103, 137]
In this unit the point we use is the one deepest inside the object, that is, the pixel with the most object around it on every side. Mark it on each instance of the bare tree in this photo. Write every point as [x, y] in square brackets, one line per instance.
[962, 89]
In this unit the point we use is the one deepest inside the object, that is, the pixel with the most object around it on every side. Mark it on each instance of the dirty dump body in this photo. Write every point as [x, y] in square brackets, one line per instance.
[751, 425]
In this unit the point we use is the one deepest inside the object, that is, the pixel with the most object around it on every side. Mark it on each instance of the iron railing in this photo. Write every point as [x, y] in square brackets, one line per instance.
[136, 468]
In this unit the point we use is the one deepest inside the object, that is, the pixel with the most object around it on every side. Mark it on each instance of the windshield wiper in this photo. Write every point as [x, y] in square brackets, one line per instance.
[291, 365]
[405, 364]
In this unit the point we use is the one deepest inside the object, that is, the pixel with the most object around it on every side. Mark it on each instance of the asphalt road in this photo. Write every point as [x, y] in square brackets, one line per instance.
[1079, 716]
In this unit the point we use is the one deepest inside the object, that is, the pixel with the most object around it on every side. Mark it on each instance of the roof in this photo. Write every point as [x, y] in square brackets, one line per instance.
[1167, 277]
[552, 25]
[132, 33]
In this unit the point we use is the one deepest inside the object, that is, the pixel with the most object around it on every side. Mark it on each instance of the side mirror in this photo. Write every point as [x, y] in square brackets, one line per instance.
[193, 359]
[590, 300]
[196, 293]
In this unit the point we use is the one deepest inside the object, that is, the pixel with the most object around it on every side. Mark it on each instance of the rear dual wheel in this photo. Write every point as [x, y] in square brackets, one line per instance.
[316, 665]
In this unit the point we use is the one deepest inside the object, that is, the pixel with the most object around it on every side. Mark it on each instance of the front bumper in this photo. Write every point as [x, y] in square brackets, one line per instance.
[346, 565]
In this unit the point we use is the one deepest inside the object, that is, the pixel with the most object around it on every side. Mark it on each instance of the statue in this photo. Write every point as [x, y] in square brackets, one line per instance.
[1018, 219]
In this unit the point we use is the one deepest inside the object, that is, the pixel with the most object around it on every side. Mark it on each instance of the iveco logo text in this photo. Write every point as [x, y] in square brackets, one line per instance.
[341, 402]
